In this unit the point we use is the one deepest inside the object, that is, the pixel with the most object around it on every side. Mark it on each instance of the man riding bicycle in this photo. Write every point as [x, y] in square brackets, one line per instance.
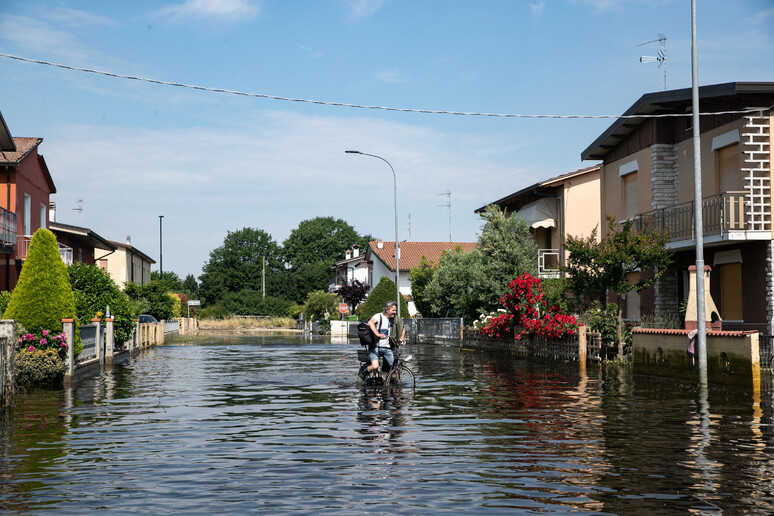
[386, 328]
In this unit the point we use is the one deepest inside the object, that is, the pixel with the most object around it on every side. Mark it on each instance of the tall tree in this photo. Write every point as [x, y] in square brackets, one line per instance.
[457, 284]
[421, 277]
[237, 265]
[169, 279]
[594, 268]
[314, 246]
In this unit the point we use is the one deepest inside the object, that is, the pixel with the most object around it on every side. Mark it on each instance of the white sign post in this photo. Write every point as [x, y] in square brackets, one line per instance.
[192, 302]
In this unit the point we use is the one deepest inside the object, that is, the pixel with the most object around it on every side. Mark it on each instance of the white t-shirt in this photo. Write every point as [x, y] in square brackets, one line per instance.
[382, 325]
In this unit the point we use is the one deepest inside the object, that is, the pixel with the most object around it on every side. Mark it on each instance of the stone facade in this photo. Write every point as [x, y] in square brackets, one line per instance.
[664, 175]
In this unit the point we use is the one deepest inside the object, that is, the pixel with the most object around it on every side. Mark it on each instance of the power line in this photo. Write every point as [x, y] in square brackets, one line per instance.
[357, 106]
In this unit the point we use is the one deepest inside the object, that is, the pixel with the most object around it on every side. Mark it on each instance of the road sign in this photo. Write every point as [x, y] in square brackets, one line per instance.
[194, 302]
[343, 308]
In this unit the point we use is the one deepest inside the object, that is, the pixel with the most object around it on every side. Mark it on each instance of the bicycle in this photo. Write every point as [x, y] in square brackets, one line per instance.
[399, 375]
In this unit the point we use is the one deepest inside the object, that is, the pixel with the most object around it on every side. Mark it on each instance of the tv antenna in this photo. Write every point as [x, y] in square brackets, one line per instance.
[447, 193]
[661, 58]
[409, 228]
[79, 209]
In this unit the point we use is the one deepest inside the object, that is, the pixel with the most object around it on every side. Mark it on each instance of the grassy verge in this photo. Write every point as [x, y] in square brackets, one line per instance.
[246, 323]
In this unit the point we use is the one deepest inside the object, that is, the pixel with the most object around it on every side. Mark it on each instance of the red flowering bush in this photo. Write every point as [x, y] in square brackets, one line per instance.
[526, 307]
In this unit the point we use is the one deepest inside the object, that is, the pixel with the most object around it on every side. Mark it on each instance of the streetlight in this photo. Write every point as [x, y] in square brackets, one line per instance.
[161, 260]
[395, 200]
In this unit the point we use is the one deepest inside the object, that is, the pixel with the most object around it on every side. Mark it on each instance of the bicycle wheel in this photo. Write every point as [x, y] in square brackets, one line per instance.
[403, 377]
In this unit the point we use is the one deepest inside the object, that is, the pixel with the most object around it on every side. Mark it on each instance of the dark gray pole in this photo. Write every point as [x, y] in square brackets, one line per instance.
[395, 202]
[161, 260]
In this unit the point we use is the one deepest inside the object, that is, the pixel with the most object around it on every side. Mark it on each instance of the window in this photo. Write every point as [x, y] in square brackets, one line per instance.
[43, 215]
[27, 215]
[630, 196]
[729, 175]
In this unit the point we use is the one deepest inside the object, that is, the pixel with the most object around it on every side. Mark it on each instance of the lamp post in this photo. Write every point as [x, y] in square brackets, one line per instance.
[161, 260]
[395, 202]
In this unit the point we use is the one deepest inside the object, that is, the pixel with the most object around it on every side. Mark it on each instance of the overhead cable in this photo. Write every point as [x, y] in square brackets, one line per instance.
[357, 106]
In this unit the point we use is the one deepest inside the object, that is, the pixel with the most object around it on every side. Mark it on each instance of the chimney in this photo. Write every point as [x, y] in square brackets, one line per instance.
[347, 255]
[379, 244]
[52, 211]
[355, 251]
[128, 240]
[712, 318]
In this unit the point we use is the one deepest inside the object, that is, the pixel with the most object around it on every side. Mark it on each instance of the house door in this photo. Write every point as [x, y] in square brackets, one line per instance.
[729, 175]
[731, 291]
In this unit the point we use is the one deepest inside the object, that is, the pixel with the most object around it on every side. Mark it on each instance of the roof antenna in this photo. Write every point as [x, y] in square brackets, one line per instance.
[409, 228]
[79, 209]
[447, 193]
[661, 58]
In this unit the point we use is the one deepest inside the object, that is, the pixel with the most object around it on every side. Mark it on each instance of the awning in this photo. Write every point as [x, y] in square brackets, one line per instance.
[539, 214]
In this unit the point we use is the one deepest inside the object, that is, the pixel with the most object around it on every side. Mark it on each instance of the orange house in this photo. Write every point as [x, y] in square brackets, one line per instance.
[23, 204]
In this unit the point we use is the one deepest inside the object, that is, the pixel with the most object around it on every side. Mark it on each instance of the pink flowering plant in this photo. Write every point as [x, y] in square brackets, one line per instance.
[527, 309]
[44, 340]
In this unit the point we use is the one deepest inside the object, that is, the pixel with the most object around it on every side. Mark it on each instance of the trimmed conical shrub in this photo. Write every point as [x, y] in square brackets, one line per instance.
[384, 291]
[43, 296]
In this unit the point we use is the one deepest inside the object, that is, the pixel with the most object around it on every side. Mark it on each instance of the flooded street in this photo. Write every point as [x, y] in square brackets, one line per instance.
[240, 425]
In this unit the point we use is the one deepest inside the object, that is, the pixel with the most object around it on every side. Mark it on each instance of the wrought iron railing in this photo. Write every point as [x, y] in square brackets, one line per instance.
[722, 213]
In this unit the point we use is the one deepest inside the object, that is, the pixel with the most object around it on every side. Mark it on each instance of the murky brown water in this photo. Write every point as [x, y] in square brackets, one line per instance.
[272, 425]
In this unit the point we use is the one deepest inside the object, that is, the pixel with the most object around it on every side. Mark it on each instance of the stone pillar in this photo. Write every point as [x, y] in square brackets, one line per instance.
[7, 365]
[109, 340]
[68, 327]
[582, 347]
[663, 178]
[160, 332]
[99, 348]
[665, 302]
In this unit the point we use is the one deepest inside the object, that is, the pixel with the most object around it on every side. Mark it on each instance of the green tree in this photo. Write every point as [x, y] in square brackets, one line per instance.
[354, 292]
[169, 279]
[508, 251]
[321, 305]
[420, 278]
[43, 296]
[594, 268]
[94, 291]
[237, 265]
[384, 291]
[457, 285]
[152, 299]
[313, 247]
[190, 287]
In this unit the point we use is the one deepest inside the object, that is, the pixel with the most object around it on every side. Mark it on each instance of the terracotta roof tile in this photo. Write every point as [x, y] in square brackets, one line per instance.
[662, 331]
[411, 252]
[23, 147]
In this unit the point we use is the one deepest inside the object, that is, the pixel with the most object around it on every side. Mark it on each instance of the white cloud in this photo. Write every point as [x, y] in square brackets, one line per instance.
[75, 17]
[271, 172]
[230, 10]
[360, 9]
[538, 8]
[39, 36]
[763, 16]
[390, 76]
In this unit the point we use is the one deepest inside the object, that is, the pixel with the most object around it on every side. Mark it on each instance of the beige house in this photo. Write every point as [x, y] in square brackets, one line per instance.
[647, 176]
[567, 204]
[126, 264]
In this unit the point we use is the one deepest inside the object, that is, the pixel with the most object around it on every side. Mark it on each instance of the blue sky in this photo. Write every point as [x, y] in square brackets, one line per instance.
[212, 163]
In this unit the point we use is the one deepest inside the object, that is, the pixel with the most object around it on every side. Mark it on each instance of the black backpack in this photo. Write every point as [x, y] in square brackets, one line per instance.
[365, 334]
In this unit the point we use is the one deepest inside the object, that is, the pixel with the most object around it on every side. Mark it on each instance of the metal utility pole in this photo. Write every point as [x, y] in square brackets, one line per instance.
[701, 317]
[263, 277]
[161, 260]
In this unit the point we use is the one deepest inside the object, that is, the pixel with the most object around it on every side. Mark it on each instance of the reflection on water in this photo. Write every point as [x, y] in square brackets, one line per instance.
[276, 424]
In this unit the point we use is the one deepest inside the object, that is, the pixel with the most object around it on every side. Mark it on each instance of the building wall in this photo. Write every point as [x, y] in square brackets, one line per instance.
[579, 194]
[612, 187]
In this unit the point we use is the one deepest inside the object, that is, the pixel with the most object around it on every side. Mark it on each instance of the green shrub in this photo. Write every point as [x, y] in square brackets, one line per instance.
[152, 299]
[39, 367]
[94, 290]
[321, 305]
[5, 298]
[213, 312]
[381, 293]
[43, 296]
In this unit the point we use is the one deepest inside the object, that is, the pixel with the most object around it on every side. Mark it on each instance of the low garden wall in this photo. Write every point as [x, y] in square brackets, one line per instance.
[733, 357]
[583, 346]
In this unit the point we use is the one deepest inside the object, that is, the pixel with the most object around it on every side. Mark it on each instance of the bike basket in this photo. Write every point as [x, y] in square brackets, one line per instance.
[362, 355]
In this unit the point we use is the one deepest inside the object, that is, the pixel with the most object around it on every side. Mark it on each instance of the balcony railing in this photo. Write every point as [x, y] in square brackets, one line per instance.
[7, 228]
[23, 246]
[722, 214]
[548, 263]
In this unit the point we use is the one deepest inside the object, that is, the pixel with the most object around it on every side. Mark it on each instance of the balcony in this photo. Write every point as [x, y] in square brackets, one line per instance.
[725, 217]
[548, 263]
[23, 245]
[7, 231]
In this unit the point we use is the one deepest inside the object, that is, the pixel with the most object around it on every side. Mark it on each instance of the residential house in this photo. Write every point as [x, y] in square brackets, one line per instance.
[647, 177]
[24, 206]
[563, 205]
[349, 269]
[87, 246]
[380, 260]
[127, 263]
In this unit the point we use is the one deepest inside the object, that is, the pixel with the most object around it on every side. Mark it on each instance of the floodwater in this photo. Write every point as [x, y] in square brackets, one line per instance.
[273, 425]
